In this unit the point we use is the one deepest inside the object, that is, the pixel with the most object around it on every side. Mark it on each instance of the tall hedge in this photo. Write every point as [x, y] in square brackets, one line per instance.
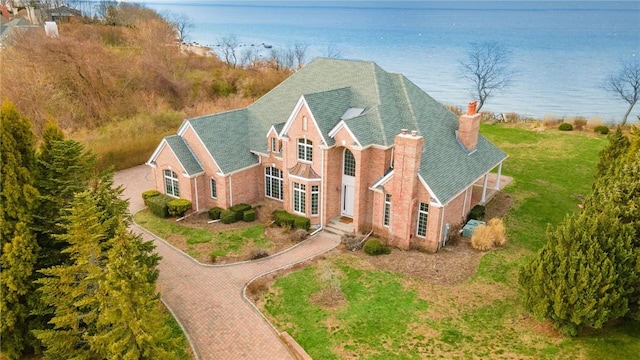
[283, 218]
[159, 205]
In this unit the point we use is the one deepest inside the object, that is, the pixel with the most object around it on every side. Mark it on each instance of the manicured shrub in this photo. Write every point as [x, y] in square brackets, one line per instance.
[565, 127]
[249, 215]
[477, 213]
[215, 212]
[158, 205]
[241, 208]
[149, 193]
[603, 130]
[374, 247]
[285, 219]
[177, 207]
[229, 217]
[259, 254]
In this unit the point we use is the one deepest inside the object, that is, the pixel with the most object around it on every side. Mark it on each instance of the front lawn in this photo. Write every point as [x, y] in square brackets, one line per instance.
[228, 243]
[346, 306]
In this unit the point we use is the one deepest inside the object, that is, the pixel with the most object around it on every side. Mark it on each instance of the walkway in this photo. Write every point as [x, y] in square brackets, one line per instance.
[208, 301]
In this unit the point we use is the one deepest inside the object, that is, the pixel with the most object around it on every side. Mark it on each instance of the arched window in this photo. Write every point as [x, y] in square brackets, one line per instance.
[171, 183]
[349, 163]
[305, 149]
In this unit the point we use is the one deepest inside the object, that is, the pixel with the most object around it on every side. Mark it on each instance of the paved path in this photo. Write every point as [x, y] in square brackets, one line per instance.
[208, 301]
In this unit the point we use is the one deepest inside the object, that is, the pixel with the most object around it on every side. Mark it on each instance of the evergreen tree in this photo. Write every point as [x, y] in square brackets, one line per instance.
[584, 275]
[71, 289]
[64, 168]
[17, 242]
[612, 155]
[129, 325]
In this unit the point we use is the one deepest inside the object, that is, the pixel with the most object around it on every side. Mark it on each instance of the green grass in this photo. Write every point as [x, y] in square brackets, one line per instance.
[223, 243]
[184, 349]
[481, 318]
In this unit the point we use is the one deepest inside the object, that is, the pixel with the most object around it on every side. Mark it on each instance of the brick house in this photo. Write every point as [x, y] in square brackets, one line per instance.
[338, 139]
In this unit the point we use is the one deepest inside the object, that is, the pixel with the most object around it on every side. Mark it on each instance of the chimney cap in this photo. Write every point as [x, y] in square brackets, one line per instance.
[404, 131]
[414, 133]
[471, 107]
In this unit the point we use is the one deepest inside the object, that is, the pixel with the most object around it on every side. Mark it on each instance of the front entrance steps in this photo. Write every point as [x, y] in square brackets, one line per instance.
[340, 226]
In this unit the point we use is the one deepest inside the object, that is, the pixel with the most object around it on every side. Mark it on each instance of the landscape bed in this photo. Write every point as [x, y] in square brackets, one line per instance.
[346, 306]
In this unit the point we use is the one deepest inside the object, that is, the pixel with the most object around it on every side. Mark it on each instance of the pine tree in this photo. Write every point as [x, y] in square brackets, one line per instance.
[17, 242]
[583, 276]
[612, 154]
[71, 289]
[129, 325]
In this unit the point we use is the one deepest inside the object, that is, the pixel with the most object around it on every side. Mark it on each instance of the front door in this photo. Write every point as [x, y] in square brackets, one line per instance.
[348, 183]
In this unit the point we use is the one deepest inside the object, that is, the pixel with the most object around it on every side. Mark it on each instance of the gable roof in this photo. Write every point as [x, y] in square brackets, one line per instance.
[330, 89]
[184, 155]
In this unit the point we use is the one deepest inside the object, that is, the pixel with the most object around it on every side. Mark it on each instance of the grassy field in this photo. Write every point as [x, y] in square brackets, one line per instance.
[344, 308]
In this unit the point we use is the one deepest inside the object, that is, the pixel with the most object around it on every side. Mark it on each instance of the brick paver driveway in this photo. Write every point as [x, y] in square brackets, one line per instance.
[208, 301]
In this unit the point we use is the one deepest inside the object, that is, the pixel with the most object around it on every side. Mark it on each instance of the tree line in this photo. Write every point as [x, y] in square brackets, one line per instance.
[588, 272]
[75, 282]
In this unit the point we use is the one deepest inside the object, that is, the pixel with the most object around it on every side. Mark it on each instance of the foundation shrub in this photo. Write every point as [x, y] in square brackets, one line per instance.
[249, 215]
[159, 205]
[178, 207]
[375, 247]
[229, 216]
[601, 129]
[565, 127]
[283, 218]
[477, 213]
[259, 254]
[352, 241]
[241, 208]
[215, 212]
[149, 193]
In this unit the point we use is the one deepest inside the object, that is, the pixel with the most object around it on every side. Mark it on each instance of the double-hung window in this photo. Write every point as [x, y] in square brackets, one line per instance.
[273, 183]
[423, 213]
[315, 195]
[305, 149]
[171, 183]
[274, 145]
[387, 209]
[214, 190]
[299, 197]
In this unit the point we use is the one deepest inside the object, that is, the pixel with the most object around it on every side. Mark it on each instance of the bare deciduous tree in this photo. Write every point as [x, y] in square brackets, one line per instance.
[487, 67]
[626, 85]
[182, 24]
[228, 50]
[300, 53]
[333, 52]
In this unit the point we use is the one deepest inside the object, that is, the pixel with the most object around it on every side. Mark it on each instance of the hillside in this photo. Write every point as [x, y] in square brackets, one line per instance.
[121, 86]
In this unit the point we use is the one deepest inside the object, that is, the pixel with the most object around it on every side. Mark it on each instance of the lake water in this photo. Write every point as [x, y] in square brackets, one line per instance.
[561, 52]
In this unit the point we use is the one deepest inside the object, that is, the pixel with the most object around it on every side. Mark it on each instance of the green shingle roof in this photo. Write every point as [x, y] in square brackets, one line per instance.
[184, 155]
[330, 87]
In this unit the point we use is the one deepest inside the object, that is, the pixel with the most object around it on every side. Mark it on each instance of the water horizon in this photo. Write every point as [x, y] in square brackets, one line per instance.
[561, 51]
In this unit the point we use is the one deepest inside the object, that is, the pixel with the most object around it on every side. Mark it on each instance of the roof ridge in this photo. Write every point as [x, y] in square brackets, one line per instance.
[378, 117]
[408, 100]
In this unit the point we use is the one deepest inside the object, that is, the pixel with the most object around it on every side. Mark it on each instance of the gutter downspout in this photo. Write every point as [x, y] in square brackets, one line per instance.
[197, 200]
[230, 191]
[322, 183]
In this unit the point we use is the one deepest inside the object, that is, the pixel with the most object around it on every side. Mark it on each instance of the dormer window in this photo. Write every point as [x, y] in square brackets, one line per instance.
[305, 150]
[274, 145]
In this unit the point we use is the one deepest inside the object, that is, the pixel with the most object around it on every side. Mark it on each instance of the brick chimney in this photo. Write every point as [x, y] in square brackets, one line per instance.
[469, 126]
[407, 154]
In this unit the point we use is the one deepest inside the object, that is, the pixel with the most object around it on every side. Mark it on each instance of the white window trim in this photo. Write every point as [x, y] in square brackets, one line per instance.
[279, 180]
[317, 194]
[213, 185]
[301, 190]
[426, 214]
[175, 182]
[386, 215]
[307, 145]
